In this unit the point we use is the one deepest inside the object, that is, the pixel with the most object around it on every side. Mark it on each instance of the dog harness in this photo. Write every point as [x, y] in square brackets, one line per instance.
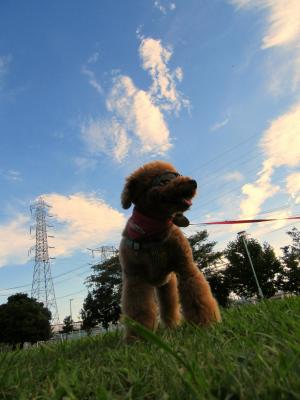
[141, 229]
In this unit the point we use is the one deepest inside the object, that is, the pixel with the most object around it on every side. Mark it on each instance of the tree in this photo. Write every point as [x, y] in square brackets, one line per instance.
[239, 273]
[89, 313]
[23, 319]
[68, 325]
[210, 263]
[203, 250]
[102, 305]
[291, 264]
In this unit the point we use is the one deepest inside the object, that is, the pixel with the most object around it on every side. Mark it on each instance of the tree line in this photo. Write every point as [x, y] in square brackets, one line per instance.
[228, 272]
[23, 319]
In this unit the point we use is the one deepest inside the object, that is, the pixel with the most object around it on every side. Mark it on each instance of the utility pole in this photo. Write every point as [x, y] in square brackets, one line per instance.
[42, 284]
[242, 235]
[71, 309]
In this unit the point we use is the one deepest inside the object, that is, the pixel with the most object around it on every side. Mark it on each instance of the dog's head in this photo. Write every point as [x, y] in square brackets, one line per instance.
[159, 190]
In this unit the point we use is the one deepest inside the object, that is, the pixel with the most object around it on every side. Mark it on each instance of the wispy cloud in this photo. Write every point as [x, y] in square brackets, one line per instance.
[255, 194]
[164, 6]
[282, 32]
[234, 176]
[281, 148]
[87, 71]
[293, 186]
[92, 78]
[281, 140]
[163, 90]
[137, 123]
[4, 68]
[219, 125]
[84, 220]
[94, 58]
[12, 175]
[106, 136]
[84, 163]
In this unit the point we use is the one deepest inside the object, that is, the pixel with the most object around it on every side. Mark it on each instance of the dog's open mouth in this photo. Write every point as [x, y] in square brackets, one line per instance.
[187, 202]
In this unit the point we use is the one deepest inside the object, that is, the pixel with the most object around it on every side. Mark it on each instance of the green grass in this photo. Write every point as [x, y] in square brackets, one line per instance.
[253, 354]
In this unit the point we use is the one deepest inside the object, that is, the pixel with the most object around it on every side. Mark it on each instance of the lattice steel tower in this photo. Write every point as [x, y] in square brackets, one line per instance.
[42, 283]
[106, 252]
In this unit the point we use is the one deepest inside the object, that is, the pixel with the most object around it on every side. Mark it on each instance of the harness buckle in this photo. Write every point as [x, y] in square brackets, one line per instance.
[136, 246]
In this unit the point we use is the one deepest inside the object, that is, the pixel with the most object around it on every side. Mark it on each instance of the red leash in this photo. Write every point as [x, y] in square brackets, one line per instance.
[245, 221]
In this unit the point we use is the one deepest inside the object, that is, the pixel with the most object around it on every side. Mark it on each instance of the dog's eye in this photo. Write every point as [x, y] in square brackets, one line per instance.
[165, 178]
[164, 182]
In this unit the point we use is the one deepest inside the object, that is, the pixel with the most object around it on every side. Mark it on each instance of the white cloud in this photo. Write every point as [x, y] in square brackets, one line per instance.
[106, 136]
[293, 185]
[163, 90]
[282, 31]
[233, 176]
[135, 108]
[283, 19]
[258, 192]
[281, 147]
[85, 220]
[120, 140]
[15, 240]
[137, 123]
[281, 141]
[273, 231]
[219, 125]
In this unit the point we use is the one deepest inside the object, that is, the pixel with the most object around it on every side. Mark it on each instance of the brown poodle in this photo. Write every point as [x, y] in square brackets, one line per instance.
[156, 258]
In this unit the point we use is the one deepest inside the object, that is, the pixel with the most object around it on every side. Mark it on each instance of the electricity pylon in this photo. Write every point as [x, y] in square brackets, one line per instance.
[42, 284]
[106, 252]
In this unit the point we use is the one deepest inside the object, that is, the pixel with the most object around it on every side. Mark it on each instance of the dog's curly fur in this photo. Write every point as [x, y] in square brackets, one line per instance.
[165, 273]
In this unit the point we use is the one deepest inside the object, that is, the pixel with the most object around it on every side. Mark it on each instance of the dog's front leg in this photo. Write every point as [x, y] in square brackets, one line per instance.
[169, 302]
[198, 304]
[138, 303]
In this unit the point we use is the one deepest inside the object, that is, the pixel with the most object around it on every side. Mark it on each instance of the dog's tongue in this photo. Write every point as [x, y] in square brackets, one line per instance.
[188, 201]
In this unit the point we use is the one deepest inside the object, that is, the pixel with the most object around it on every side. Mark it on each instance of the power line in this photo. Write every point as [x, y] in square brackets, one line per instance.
[230, 149]
[245, 161]
[54, 277]
[277, 229]
[220, 196]
[72, 294]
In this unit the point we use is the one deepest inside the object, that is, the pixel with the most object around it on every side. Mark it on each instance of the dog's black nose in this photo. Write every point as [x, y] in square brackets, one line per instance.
[193, 183]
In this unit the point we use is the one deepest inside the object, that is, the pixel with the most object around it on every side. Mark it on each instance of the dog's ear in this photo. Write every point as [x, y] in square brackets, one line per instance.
[128, 193]
[180, 220]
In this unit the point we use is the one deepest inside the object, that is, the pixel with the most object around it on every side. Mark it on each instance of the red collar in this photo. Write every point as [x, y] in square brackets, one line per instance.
[140, 226]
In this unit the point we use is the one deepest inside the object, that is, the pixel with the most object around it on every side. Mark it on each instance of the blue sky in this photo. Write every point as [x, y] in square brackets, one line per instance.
[89, 91]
